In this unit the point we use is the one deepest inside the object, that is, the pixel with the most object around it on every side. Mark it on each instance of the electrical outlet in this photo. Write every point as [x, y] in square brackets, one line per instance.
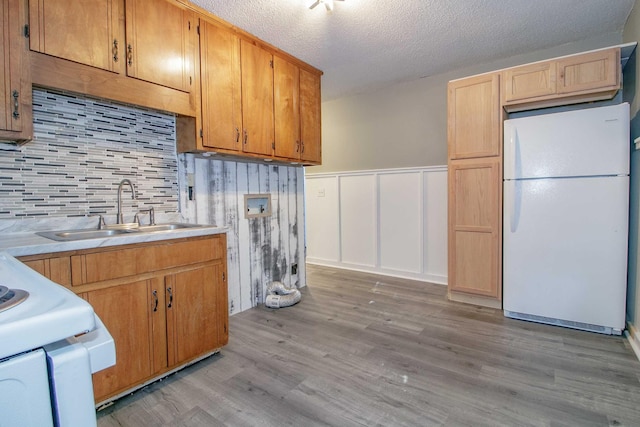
[294, 268]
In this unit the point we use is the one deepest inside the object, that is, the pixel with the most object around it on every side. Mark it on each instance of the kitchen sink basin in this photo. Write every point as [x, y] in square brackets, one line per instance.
[83, 234]
[66, 235]
[164, 227]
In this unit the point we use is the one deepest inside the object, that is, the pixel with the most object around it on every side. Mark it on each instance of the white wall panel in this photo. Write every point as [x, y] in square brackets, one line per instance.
[435, 225]
[390, 221]
[322, 212]
[358, 211]
[401, 221]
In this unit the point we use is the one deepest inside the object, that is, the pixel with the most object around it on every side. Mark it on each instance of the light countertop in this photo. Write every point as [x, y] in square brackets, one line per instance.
[29, 243]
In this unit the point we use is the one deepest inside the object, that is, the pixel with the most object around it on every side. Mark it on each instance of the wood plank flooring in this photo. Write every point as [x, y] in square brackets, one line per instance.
[366, 350]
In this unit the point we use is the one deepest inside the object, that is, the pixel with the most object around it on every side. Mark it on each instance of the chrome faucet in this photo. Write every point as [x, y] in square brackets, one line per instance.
[120, 219]
[150, 211]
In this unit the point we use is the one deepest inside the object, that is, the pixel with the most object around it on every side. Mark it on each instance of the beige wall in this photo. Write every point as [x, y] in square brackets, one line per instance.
[631, 33]
[405, 125]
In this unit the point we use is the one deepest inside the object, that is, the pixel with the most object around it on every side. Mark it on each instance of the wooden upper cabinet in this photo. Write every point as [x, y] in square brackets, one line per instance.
[16, 123]
[286, 94]
[530, 81]
[591, 71]
[474, 117]
[150, 40]
[585, 77]
[257, 99]
[221, 87]
[310, 122]
[87, 32]
[161, 37]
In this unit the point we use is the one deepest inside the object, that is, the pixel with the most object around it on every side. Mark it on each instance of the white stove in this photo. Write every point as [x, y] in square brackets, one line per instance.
[45, 370]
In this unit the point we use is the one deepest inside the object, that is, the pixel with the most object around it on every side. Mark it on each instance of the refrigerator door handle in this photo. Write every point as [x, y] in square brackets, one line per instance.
[513, 190]
[515, 157]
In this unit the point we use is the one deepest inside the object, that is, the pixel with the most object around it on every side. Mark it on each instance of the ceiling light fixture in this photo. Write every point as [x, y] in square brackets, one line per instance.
[327, 3]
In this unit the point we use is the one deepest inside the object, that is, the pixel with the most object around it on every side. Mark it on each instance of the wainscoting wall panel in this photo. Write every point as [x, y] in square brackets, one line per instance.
[260, 250]
[390, 221]
[400, 221]
[358, 219]
[322, 207]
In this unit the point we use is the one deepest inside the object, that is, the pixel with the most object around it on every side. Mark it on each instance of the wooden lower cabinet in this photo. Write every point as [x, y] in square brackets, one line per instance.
[164, 303]
[128, 314]
[475, 214]
[191, 311]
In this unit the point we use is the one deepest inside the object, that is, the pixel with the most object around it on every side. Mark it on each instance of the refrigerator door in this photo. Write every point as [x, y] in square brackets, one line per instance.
[565, 250]
[586, 142]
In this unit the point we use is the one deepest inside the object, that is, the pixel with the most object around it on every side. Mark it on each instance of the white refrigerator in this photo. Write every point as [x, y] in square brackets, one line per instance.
[566, 208]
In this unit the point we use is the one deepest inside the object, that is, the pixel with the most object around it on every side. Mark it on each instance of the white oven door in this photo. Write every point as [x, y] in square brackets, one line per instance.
[24, 391]
[71, 386]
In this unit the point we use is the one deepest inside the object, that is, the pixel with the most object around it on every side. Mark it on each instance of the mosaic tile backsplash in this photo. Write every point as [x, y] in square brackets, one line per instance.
[82, 149]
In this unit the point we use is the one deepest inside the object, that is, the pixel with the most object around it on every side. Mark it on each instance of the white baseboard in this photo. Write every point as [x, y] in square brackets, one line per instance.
[431, 278]
[633, 335]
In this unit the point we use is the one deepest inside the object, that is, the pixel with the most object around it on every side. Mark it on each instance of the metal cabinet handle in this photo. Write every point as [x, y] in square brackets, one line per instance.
[246, 137]
[302, 144]
[297, 146]
[155, 297]
[114, 50]
[129, 54]
[170, 291]
[16, 104]
[237, 135]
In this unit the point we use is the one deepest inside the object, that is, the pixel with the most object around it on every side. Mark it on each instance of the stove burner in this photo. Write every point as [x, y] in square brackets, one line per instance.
[11, 297]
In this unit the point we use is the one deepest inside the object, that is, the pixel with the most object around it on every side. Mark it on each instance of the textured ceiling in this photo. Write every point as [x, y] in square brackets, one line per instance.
[365, 44]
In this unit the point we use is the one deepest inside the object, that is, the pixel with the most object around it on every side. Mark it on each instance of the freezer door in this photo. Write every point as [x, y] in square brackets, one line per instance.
[565, 249]
[584, 142]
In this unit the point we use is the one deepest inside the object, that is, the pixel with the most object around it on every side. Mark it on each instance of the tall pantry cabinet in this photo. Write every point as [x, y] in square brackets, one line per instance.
[475, 196]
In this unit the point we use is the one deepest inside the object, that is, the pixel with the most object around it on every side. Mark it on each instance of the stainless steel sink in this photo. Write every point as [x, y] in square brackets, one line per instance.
[66, 235]
[70, 235]
[165, 227]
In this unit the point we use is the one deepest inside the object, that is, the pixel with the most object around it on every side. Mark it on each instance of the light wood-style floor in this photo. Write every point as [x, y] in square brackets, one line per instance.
[365, 350]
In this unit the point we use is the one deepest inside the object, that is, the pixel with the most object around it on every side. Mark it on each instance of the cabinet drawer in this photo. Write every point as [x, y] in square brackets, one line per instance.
[120, 263]
[56, 269]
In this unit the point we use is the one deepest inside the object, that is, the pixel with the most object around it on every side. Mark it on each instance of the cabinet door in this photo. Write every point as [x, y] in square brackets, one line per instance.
[221, 90]
[310, 123]
[257, 99]
[16, 122]
[192, 306]
[160, 43]
[87, 32]
[589, 72]
[127, 311]
[530, 81]
[286, 94]
[474, 227]
[474, 117]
